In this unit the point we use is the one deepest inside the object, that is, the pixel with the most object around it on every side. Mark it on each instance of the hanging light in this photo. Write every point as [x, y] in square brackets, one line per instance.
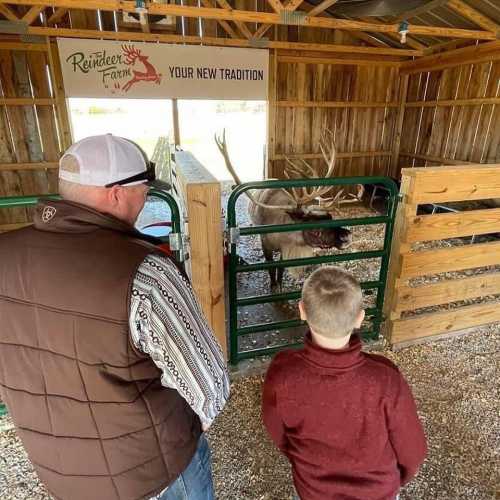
[140, 6]
[404, 29]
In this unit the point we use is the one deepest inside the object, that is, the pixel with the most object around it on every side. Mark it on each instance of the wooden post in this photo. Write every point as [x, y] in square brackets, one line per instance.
[59, 93]
[201, 194]
[403, 92]
[271, 113]
[175, 118]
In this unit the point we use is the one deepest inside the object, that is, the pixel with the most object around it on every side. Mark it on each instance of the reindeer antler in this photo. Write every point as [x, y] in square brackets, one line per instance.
[222, 145]
[329, 153]
[131, 54]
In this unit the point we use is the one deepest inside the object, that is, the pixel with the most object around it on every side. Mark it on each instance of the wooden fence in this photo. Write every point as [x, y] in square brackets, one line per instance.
[449, 276]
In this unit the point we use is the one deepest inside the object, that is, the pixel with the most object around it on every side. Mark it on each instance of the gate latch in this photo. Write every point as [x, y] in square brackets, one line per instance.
[175, 241]
[234, 235]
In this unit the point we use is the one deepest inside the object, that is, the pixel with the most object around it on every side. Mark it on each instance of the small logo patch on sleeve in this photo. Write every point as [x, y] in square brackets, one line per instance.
[48, 214]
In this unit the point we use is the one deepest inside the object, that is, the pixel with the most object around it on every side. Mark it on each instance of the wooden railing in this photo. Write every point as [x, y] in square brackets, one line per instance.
[405, 300]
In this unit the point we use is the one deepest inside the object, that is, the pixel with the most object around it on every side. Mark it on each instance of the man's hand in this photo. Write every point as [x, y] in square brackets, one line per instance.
[205, 427]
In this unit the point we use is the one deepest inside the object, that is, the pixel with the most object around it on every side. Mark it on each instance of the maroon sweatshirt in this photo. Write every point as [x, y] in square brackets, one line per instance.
[346, 420]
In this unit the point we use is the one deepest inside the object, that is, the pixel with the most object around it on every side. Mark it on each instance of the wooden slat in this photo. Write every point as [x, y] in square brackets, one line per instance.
[454, 225]
[28, 47]
[446, 292]
[436, 159]
[335, 104]
[472, 14]
[430, 5]
[457, 102]
[224, 24]
[26, 101]
[13, 167]
[276, 5]
[461, 183]
[57, 16]
[334, 61]
[318, 156]
[449, 259]
[427, 325]
[229, 42]
[467, 55]
[263, 17]
[403, 93]
[241, 26]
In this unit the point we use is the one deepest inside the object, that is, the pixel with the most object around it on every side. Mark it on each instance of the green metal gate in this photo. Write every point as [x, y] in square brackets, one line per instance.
[236, 267]
[174, 238]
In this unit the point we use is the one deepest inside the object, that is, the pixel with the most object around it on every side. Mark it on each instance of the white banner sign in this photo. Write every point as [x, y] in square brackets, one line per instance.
[100, 68]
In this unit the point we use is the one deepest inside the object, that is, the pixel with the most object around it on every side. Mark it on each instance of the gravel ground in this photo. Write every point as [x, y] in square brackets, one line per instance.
[455, 383]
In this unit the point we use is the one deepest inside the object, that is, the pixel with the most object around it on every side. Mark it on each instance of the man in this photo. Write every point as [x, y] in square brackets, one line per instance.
[107, 365]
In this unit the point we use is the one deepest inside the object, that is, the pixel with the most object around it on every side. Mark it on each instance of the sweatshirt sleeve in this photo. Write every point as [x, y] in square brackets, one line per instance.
[270, 408]
[406, 432]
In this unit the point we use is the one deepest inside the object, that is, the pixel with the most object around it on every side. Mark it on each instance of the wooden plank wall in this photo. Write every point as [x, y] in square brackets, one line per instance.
[452, 116]
[417, 279]
[356, 97]
[29, 133]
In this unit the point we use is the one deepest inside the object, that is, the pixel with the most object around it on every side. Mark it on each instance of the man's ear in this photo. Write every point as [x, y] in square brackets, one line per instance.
[113, 195]
[302, 311]
[360, 319]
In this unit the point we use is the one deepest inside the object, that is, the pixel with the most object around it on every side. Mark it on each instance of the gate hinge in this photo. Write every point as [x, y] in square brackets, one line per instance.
[234, 235]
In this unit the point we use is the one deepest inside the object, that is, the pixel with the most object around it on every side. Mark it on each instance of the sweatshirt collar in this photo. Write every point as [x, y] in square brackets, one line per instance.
[334, 360]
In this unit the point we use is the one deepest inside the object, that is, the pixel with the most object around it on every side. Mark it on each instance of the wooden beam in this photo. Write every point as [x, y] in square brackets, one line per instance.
[24, 101]
[276, 5]
[293, 5]
[258, 17]
[226, 42]
[335, 104]
[14, 167]
[433, 4]
[325, 4]
[224, 24]
[317, 156]
[436, 159]
[447, 46]
[32, 14]
[28, 47]
[467, 55]
[451, 102]
[241, 26]
[8, 13]
[175, 119]
[339, 61]
[365, 37]
[473, 15]
[57, 16]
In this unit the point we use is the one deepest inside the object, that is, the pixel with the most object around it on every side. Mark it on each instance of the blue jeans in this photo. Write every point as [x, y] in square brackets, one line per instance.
[195, 483]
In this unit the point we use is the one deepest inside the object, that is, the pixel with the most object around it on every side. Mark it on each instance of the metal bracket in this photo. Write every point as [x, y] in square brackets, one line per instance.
[234, 235]
[293, 17]
[175, 241]
[259, 43]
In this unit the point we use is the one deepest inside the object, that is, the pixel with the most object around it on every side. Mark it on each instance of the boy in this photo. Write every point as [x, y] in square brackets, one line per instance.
[345, 419]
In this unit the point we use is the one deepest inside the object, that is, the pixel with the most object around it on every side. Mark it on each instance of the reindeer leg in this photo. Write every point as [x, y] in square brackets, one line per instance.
[268, 256]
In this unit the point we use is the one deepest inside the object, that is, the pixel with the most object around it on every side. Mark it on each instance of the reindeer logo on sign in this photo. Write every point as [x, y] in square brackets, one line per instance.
[132, 55]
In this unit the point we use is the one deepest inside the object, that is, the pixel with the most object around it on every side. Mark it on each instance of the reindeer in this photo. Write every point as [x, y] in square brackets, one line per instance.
[151, 75]
[283, 206]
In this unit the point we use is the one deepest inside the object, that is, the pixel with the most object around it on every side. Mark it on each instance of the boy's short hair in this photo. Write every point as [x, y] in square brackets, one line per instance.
[332, 300]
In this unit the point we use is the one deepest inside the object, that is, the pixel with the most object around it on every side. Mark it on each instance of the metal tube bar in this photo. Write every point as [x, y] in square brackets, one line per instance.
[281, 297]
[322, 259]
[284, 228]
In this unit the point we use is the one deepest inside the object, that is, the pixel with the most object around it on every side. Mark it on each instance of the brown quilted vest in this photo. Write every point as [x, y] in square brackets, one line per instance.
[90, 409]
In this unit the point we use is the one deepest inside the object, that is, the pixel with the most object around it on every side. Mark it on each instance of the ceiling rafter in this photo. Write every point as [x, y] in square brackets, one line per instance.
[57, 16]
[473, 15]
[433, 4]
[241, 26]
[8, 13]
[32, 14]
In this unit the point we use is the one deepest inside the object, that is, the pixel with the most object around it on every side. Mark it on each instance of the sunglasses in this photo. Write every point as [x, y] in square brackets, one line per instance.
[148, 175]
